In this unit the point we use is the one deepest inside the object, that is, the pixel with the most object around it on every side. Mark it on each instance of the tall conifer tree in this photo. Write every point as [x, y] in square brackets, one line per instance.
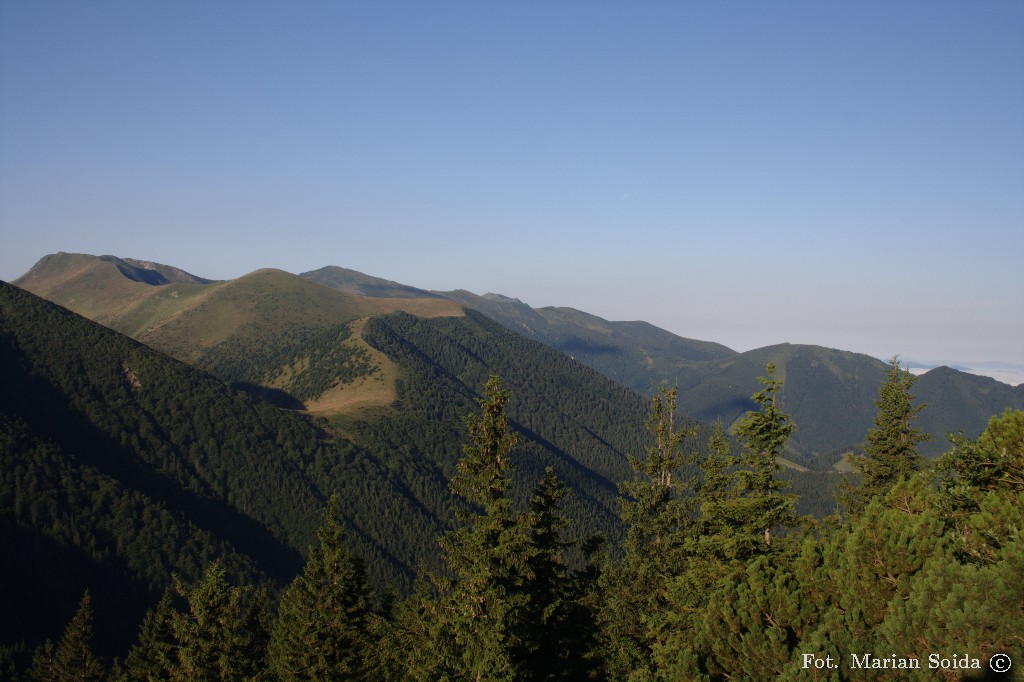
[210, 637]
[764, 435]
[73, 659]
[890, 450]
[503, 612]
[563, 623]
[152, 656]
[718, 501]
[657, 508]
[323, 624]
[479, 623]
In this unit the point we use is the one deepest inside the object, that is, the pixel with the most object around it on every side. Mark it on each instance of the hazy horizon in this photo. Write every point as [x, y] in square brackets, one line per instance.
[841, 174]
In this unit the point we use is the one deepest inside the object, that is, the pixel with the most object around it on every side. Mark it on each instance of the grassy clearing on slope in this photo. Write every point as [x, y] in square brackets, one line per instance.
[366, 394]
[843, 466]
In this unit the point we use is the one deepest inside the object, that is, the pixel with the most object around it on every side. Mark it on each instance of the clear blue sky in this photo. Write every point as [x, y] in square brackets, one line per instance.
[843, 173]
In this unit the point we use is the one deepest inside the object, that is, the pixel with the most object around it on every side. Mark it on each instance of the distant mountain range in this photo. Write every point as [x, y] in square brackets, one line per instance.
[829, 392]
[1005, 372]
[252, 331]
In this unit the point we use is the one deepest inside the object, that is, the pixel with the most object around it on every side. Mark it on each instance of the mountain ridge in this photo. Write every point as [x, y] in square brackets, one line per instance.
[831, 392]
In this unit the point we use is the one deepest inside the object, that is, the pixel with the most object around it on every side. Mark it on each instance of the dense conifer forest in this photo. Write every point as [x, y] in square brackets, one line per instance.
[169, 525]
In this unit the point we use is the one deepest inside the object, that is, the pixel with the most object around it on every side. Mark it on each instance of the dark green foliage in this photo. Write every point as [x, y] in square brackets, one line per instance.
[219, 632]
[208, 636]
[505, 611]
[481, 475]
[219, 635]
[919, 571]
[732, 606]
[153, 654]
[719, 538]
[565, 639]
[657, 509]
[323, 628]
[994, 460]
[571, 419]
[488, 556]
[973, 473]
[764, 435]
[890, 451]
[753, 621]
[73, 659]
[121, 467]
[308, 361]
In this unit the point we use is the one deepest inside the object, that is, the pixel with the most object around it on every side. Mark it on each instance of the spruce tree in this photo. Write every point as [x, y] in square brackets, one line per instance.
[680, 653]
[657, 508]
[563, 624]
[890, 450]
[719, 503]
[764, 435]
[489, 555]
[504, 610]
[210, 637]
[73, 659]
[323, 624]
[726, 543]
[152, 656]
[482, 474]
[254, 639]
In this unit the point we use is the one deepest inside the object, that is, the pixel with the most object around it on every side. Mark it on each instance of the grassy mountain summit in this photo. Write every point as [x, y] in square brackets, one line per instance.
[58, 268]
[365, 285]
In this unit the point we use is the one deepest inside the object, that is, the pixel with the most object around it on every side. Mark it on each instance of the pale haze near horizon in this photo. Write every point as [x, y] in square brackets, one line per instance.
[843, 174]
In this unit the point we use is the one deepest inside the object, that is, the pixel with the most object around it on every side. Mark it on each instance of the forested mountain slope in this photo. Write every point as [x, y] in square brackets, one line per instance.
[629, 352]
[122, 466]
[829, 392]
[568, 416]
[831, 395]
[960, 401]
